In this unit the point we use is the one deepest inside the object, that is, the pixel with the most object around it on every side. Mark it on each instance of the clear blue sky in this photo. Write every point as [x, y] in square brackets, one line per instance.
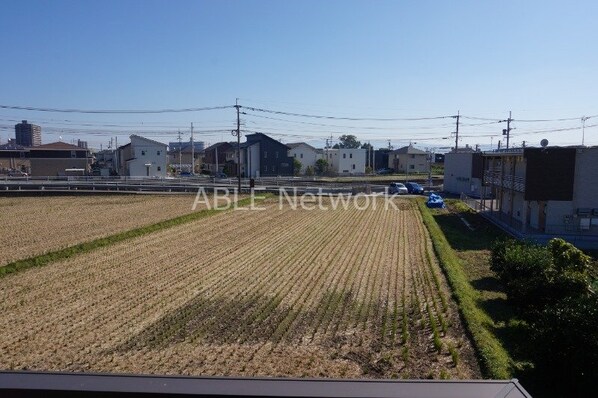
[385, 59]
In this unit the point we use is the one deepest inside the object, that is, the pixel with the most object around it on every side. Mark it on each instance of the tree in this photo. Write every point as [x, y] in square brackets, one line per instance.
[321, 166]
[297, 167]
[347, 141]
[309, 171]
[367, 146]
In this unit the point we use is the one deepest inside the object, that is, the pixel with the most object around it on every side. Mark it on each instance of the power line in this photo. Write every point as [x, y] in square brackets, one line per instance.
[344, 118]
[114, 111]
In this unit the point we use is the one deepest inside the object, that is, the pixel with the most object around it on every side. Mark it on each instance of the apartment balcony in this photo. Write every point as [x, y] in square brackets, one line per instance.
[506, 181]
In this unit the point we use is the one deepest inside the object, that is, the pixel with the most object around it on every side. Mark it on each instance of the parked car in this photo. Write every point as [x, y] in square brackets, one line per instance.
[414, 188]
[384, 170]
[17, 173]
[220, 175]
[397, 188]
[186, 174]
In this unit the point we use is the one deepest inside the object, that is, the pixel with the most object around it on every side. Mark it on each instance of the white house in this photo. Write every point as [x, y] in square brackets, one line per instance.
[346, 160]
[142, 157]
[306, 154]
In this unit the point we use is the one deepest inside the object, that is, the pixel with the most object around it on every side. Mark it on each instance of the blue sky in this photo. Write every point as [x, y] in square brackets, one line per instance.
[359, 59]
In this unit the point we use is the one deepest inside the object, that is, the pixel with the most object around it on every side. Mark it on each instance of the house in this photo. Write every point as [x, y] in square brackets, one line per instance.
[346, 160]
[463, 170]
[306, 154]
[541, 193]
[142, 157]
[59, 159]
[380, 160]
[179, 158]
[105, 163]
[408, 160]
[264, 156]
[220, 157]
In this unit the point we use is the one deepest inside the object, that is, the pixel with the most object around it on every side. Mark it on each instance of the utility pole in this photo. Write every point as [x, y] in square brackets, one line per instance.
[507, 131]
[457, 132]
[583, 129]
[180, 153]
[192, 151]
[238, 134]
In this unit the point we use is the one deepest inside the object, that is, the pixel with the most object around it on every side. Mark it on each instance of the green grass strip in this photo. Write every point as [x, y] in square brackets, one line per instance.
[494, 359]
[81, 248]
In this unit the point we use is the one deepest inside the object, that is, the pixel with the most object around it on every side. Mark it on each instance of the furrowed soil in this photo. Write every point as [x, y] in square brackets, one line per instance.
[280, 292]
[32, 226]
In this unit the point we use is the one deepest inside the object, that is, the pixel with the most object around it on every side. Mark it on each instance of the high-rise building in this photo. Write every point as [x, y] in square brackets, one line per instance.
[28, 134]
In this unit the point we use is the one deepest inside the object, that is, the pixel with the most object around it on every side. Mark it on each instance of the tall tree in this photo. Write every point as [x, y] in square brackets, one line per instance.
[347, 141]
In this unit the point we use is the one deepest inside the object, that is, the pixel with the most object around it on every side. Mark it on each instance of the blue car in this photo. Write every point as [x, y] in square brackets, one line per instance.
[414, 188]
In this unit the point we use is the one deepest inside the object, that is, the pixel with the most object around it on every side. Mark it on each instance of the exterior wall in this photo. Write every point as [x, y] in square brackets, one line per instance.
[273, 156]
[347, 161]
[147, 152]
[306, 155]
[457, 172]
[585, 188]
[253, 160]
[56, 166]
[412, 163]
[555, 215]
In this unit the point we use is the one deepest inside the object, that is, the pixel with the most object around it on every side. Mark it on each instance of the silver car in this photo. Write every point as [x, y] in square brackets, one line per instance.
[397, 188]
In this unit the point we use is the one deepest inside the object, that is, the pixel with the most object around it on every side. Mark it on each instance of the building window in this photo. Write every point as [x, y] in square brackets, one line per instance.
[73, 154]
[295, 155]
[265, 154]
[142, 153]
[159, 167]
[344, 155]
[351, 156]
[273, 168]
[412, 156]
[353, 167]
[301, 156]
[412, 167]
[276, 154]
[158, 153]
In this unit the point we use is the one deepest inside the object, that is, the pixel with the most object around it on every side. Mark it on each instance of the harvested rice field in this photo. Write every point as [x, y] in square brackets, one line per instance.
[343, 293]
[31, 226]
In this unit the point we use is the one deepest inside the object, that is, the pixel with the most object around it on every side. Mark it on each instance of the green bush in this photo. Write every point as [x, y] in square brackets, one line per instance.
[552, 288]
[536, 276]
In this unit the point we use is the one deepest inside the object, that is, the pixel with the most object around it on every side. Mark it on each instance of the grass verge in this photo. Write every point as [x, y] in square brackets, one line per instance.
[43, 259]
[494, 359]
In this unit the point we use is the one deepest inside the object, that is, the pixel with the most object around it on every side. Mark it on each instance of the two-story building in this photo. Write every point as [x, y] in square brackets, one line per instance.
[408, 159]
[59, 159]
[463, 170]
[142, 157]
[306, 154]
[220, 157]
[346, 161]
[539, 193]
[263, 156]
